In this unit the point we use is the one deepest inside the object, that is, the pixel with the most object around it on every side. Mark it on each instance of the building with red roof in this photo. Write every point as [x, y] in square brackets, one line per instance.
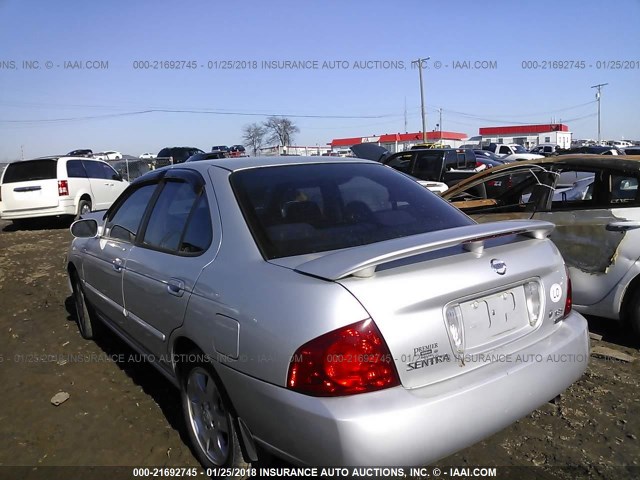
[397, 142]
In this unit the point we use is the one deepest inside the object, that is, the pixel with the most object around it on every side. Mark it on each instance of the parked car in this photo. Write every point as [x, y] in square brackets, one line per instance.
[511, 152]
[446, 165]
[220, 148]
[237, 151]
[593, 150]
[339, 296]
[597, 222]
[422, 146]
[632, 150]
[108, 155]
[207, 156]
[57, 186]
[177, 154]
[621, 144]
[148, 155]
[83, 152]
[545, 149]
[489, 155]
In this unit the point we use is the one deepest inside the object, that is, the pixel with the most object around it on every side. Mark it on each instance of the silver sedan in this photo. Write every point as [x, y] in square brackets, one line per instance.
[330, 312]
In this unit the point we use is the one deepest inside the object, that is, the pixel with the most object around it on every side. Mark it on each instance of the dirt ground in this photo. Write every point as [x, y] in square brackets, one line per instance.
[122, 412]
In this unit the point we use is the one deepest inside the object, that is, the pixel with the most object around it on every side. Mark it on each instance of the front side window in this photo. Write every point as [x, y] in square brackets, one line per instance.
[95, 169]
[124, 222]
[109, 172]
[339, 206]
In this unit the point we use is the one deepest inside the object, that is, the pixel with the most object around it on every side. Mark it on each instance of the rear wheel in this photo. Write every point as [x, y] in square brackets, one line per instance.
[84, 207]
[85, 316]
[211, 426]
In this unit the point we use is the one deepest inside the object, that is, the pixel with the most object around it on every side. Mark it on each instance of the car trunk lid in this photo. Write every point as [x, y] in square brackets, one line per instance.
[446, 301]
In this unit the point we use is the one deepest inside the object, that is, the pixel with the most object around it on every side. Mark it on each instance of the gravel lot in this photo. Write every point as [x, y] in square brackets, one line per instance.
[122, 412]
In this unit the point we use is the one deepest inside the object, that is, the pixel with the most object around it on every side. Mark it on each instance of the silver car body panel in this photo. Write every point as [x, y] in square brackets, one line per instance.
[398, 426]
[250, 316]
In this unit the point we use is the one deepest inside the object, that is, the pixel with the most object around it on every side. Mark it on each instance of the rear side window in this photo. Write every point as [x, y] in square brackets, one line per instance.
[170, 215]
[199, 233]
[75, 169]
[302, 209]
[31, 170]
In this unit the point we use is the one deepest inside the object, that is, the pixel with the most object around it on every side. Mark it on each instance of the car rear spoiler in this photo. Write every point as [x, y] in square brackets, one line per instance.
[361, 261]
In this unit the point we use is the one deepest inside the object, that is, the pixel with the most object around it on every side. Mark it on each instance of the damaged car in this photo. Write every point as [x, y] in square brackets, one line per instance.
[595, 205]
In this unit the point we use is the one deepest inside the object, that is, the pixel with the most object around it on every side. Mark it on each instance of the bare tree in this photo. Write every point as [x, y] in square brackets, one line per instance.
[280, 130]
[253, 136]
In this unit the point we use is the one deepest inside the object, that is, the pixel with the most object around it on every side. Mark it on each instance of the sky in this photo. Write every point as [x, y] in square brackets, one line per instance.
[491, 63]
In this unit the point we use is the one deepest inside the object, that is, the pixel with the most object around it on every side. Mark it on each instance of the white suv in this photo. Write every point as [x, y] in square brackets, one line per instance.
[54, 186]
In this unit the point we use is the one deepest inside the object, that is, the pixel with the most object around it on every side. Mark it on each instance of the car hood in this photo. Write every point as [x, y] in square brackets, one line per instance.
[370, 151]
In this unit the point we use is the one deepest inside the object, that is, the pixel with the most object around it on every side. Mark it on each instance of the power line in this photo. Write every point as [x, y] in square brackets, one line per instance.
[201, 112]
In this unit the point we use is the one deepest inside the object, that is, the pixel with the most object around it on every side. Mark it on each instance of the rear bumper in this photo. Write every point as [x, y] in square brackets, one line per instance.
[411, 427]
[63, 208]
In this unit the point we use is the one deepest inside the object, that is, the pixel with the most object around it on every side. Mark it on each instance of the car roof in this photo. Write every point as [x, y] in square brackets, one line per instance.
[241, 163]
[623, 162]
[63, 157]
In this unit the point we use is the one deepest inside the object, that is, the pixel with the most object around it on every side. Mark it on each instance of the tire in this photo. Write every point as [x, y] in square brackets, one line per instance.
[85, 317]
[212, 428]
[84, 207]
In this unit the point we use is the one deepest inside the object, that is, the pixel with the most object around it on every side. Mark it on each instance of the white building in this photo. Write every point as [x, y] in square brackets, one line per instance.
[528, 135]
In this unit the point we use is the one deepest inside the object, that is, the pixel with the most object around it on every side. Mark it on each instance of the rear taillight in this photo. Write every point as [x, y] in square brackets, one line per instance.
[63, 188]
[532, 294]
[569, 301]
[453, 316]
[349, 360]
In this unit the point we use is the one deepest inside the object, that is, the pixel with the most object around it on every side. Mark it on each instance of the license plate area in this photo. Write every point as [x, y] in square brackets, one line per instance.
[494, 317]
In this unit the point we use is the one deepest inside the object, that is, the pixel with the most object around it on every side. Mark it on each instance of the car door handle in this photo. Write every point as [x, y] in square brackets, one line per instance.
[175, 287]
[622, 226]
[117, 264]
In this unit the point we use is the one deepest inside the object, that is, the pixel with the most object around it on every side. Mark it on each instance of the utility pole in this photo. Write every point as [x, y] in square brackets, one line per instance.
[21, 152]
[405, 115]
[424, 115]
[440, 124]
[599, 87]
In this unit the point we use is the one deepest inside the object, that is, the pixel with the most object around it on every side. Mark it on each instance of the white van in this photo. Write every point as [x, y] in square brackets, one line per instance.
[56, 186]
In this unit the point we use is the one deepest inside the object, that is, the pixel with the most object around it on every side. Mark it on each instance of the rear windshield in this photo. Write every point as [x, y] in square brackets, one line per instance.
[31, 170]
[301, 209]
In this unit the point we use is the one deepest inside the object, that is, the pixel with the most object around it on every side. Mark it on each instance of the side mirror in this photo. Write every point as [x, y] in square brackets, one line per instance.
[84, 228]
[117, 176]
